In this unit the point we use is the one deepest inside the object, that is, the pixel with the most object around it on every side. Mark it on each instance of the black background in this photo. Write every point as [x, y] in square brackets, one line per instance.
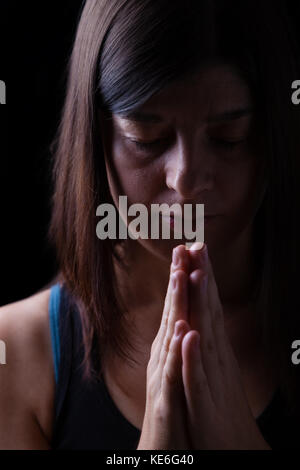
[35, 43]
[36, 40]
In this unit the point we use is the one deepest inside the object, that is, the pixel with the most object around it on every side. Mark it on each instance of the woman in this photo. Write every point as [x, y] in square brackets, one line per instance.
[167, 103]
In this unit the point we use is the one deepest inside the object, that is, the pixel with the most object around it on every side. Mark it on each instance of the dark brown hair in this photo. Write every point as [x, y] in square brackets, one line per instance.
[127, 50]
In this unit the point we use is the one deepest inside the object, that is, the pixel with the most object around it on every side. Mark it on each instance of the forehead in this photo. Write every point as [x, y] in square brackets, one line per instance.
[208, 93]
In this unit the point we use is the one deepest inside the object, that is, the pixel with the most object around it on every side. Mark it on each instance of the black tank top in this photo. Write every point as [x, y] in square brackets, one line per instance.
[86, 416]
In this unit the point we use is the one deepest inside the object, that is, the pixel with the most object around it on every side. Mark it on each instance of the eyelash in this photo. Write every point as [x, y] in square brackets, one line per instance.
[148, 146]
[228, 145]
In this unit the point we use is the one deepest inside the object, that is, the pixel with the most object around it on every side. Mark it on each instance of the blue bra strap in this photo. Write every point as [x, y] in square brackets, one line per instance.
[54, 302]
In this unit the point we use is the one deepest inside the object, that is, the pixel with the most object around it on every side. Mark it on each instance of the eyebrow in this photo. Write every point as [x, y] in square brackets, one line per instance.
[139, 116]
[231, 114]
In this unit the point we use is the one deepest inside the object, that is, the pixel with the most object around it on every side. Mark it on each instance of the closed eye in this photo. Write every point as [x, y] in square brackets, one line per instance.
[155, 144]
[227, 144]
[146, 145]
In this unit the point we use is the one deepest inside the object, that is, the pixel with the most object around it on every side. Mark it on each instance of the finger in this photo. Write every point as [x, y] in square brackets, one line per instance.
[196, 388]
[196, 253]
[228, 365]
[172, 390]
[164, 320]
[172, 371]
[178, 310]
[200, 316]
[200, 259]
[180, 261]
[197, 305]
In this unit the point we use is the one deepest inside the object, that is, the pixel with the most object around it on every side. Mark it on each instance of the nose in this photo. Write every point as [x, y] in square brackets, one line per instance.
[189, 170]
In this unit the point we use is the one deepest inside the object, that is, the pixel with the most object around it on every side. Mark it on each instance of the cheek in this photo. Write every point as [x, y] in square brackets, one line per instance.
[139, 186]
[139, 182]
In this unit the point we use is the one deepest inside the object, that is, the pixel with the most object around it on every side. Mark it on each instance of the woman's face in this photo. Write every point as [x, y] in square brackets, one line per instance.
[192, 143]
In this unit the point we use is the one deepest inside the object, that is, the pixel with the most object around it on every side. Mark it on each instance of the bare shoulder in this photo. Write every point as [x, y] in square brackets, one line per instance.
[27, 378]
[26, 316]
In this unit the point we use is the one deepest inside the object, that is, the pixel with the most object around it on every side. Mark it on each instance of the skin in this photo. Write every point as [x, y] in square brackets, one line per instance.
[191, 168]
[189, 160]
[27, 383]
[192, 165]
[211, 410]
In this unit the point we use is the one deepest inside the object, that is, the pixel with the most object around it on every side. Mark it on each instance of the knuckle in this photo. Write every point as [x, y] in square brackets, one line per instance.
[153, 347]
[171, 377]
[151, 368]
[151, 389]
[165, 318]
[166, 345]
[152, 385]
[172, 312]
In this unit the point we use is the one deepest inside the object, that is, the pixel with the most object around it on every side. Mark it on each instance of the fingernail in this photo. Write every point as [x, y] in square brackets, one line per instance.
[197, 246]
[175, 258]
